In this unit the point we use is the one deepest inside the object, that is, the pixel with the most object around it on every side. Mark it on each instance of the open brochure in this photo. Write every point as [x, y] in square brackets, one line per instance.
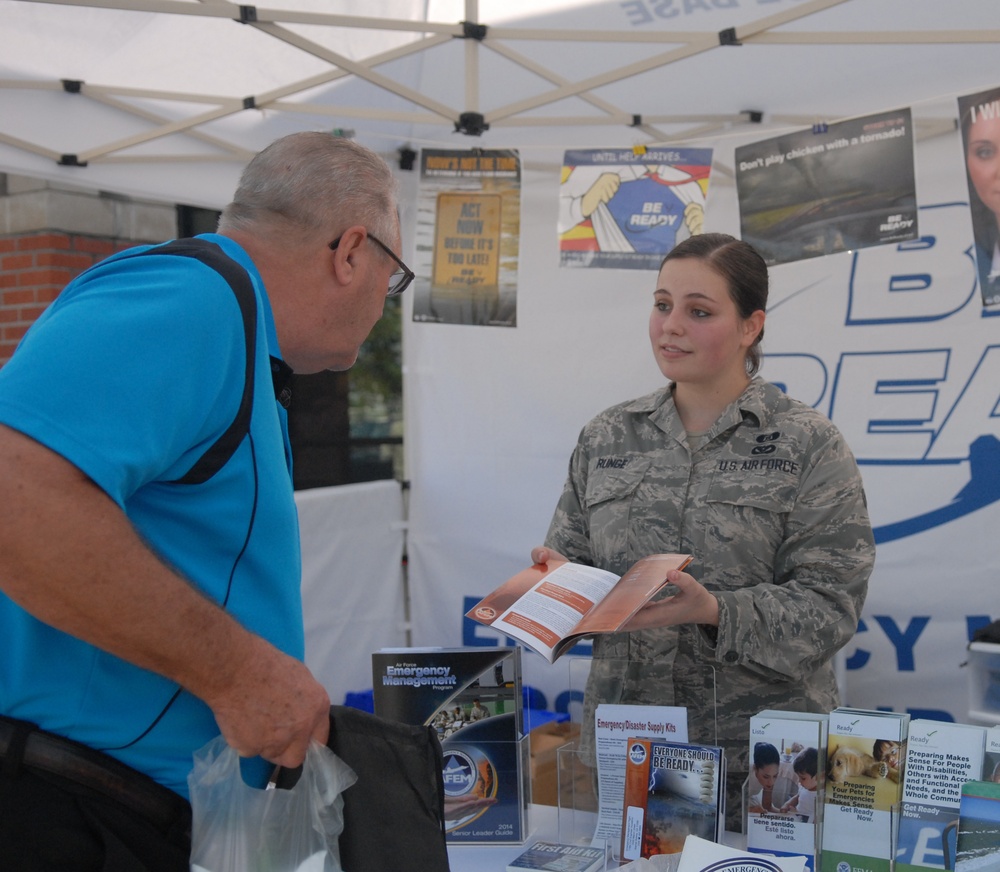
[549, 607]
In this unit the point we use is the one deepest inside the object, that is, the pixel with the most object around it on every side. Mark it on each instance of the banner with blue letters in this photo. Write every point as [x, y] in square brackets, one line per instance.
[891, 341]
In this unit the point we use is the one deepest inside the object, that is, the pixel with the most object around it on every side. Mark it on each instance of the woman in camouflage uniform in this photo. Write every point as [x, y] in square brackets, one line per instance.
[760, 488]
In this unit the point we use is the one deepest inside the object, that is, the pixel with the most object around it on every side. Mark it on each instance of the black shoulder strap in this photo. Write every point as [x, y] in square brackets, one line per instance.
[213, 256]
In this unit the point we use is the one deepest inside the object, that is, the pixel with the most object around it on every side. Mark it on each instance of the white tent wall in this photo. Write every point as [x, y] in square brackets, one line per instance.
[492, 414]
[353, 593]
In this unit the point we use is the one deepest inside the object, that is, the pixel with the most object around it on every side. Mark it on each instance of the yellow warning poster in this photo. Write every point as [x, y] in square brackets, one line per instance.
[467, 238]
[467, 241]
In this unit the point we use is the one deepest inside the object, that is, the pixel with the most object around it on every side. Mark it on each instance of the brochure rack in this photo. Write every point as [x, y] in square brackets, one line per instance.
[578, 780]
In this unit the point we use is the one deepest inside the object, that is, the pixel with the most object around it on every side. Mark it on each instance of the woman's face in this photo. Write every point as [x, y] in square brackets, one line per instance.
[766, 775]
[695, 329]
[982, 157]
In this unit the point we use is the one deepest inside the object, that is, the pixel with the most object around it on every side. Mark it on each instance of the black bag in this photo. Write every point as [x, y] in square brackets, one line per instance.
[394, 814]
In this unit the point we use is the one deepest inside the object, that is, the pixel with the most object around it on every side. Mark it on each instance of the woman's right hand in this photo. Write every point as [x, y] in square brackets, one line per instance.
[543, 554]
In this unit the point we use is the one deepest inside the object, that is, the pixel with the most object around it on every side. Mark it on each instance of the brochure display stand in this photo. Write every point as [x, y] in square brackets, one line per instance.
[575, 799]
[472, 697]
[591, 779]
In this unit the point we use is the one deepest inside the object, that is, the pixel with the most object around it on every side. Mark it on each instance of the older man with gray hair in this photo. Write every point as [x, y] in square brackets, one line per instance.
[149, 552]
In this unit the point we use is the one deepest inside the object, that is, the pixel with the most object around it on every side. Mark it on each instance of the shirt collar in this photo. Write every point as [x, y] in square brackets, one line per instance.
[750, 406]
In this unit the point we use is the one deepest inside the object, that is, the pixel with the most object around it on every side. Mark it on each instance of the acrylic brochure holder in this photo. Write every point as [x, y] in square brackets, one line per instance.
[577, 786]
[579, 801]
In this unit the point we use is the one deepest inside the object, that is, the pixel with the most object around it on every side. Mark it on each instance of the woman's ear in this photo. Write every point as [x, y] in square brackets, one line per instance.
[752, 327]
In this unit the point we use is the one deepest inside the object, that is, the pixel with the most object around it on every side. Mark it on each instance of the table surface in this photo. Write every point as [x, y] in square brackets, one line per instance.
[543, 823]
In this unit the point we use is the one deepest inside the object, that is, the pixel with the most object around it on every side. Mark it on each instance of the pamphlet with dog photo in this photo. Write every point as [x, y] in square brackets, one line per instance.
[866, 753]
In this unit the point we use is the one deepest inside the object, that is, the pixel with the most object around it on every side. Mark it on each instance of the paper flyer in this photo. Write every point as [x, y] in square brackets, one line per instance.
[614, 725]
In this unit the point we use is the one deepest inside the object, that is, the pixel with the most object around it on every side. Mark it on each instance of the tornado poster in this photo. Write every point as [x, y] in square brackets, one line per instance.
[833, 188]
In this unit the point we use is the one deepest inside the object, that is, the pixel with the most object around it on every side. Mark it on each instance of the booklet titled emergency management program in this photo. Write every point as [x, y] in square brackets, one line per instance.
[471, 697]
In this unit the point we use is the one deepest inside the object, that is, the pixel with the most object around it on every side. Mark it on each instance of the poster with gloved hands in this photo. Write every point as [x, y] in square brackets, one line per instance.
[626, 208]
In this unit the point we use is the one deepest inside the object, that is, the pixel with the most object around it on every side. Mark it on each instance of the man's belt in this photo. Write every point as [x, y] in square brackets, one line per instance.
[46, 752]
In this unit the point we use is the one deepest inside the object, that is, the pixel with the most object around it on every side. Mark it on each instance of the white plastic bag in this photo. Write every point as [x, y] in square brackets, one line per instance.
[238, 828]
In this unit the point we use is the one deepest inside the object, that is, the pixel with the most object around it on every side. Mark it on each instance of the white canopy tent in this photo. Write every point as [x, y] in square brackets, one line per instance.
[166, 99]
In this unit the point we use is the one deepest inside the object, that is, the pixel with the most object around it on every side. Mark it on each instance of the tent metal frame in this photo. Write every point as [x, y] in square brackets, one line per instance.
[275, 23]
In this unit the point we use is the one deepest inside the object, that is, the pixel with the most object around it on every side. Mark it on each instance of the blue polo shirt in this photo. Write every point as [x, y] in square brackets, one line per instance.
[131, 374]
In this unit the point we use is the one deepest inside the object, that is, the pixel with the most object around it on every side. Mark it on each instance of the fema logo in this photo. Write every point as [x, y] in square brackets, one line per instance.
[459, 773]
[843, 866]
[743, 864]
[637, 753]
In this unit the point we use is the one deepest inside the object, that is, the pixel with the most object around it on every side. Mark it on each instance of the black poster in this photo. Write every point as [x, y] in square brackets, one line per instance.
[834, 188]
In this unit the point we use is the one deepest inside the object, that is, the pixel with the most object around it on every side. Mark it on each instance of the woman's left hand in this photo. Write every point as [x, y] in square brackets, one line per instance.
[691, 604]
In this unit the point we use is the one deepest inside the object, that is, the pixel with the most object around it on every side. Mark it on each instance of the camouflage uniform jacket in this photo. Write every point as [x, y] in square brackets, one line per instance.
[771, 506]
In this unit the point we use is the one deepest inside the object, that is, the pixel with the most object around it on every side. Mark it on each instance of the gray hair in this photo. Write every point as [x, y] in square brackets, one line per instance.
[315, 182]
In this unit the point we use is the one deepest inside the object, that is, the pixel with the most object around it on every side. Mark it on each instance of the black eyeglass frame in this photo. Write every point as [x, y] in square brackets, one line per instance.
[406, 275]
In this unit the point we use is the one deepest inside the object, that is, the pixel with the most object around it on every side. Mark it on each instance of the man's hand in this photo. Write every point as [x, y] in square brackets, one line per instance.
[271, 706]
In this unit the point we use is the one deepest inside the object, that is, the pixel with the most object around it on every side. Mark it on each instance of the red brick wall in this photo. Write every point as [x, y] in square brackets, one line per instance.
[34, 268]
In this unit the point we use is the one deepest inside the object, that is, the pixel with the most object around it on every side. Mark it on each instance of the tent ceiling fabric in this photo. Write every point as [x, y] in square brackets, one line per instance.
[168, 98]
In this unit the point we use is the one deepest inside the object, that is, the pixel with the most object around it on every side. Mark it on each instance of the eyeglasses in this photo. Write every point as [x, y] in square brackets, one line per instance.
[400, 280]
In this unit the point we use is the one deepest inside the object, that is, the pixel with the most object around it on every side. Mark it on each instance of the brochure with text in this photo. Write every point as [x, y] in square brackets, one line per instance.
[865, 766]
[550, 607]
[978, 840]
[940, 758]
[673, 790]
[784, 804]
[614, 725]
